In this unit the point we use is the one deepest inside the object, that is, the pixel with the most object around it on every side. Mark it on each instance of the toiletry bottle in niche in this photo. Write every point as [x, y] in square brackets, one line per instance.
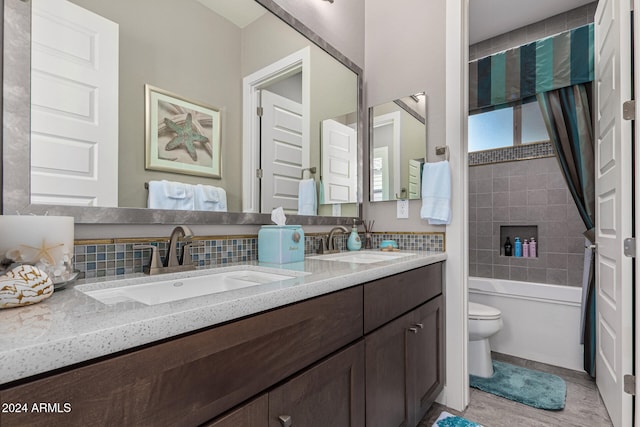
[525, 249]
[517, 248]
[533, 248]
[354, 243]
[507, 247]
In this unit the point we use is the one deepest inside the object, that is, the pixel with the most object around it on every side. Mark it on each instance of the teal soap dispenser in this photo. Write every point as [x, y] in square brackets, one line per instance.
[354, 243]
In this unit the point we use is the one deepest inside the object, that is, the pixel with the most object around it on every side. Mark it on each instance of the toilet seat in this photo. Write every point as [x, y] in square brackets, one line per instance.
[483, 312]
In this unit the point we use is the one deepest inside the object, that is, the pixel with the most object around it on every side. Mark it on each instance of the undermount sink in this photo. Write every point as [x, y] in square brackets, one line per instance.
[162, 291]
[362, 257]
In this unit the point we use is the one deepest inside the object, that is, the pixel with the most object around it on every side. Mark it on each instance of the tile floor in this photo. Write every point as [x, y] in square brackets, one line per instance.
[583, 406]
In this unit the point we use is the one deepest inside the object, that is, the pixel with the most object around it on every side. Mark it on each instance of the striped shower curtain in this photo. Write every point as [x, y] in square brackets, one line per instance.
[567, 117]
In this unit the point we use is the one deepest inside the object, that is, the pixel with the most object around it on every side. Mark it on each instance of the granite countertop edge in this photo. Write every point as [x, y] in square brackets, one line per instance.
[71, 328]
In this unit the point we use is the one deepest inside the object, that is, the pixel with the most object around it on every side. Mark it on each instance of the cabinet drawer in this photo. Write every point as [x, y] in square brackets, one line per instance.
[192, 379]
[388, 298]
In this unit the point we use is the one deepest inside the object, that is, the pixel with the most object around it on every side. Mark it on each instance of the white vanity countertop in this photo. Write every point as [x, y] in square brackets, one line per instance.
[71, 327]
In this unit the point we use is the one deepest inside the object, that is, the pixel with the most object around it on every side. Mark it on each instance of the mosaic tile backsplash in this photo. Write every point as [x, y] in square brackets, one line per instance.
[103, 260]
[536, 150]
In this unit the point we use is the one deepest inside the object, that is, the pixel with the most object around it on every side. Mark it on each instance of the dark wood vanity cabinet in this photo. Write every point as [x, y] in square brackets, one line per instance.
[405, 357]
[194, 378]
[329, 394]
[316, 363]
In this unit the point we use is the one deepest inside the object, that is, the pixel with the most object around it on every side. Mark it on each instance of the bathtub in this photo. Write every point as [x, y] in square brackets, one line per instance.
[541, 322]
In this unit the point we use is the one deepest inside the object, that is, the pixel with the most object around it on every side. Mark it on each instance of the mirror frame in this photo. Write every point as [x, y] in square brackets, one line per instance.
[16, 128]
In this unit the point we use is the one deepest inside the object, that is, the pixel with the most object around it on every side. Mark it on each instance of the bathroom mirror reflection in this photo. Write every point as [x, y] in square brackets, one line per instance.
[398, 147]
[225, 50]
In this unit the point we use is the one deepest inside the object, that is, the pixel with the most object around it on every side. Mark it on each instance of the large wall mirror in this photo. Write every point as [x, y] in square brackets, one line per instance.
[398, 148]
[222, 99]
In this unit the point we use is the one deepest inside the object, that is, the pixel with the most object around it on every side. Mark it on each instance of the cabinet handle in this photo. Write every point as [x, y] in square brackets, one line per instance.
[419, 325]
[285, 420]
[413, 330]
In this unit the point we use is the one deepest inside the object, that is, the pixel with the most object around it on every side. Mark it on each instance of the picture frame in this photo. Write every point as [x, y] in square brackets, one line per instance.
[181, 135]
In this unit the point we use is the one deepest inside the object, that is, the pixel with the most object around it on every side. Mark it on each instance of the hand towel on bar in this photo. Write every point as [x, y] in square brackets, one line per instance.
[307, 200]
[210, 198]
[436, 193]
[170, 195]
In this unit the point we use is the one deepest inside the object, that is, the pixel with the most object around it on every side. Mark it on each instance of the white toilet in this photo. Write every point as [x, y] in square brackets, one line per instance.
[484, 322]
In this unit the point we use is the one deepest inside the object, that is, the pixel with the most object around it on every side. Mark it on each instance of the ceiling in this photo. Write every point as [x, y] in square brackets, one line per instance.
[490, 18]
[240, 12]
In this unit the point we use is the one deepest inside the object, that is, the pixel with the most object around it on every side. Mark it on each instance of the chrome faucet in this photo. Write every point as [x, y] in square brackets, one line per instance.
[328, 247]
[180, 232]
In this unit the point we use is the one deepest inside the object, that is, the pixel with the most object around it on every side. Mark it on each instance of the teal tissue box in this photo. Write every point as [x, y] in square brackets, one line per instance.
[280, 244]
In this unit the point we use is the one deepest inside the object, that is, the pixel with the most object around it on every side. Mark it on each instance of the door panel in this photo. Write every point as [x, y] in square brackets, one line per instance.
[283, 153]
[329, 394]
[74, 106]
[339, 162]
[613, 207]
[387, 390]
[429, 355]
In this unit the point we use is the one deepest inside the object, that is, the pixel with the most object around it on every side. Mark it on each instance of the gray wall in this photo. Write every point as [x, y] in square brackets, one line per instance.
[341, 23]
[405, 54]
[526, 192]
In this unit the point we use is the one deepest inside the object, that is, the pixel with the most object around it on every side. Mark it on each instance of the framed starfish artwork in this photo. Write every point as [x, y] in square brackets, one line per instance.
[181, 135]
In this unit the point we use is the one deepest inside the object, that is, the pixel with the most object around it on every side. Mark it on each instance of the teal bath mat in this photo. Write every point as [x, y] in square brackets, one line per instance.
[448, 420]
[533, 388]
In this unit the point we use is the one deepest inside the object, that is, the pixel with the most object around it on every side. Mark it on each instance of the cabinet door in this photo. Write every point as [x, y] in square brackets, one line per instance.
[253, 414]
[387, 391]
[427, 355]
[329, 394]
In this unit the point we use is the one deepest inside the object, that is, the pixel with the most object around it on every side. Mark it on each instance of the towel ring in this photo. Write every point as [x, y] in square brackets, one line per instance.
[443, 150]
[311, 170]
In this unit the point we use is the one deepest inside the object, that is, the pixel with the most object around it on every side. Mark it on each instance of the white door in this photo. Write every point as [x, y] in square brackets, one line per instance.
[339, 162]
[386, 131]
[380, 174]
[74, 106]
[614, 352]
[282, 156]
[415, 179]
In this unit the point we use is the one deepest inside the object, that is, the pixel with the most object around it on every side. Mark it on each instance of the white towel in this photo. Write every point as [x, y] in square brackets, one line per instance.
[210, 198]
[170, 195]
[307, 200]
[436, 193]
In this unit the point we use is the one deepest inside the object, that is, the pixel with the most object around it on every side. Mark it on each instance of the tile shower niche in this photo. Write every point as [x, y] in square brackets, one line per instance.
[521, 231]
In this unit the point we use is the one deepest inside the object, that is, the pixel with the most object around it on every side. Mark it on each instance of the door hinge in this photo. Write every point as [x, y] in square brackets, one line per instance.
[259, 173]
[630, 384]
[630, 247]
[629, 110]
[259, 111]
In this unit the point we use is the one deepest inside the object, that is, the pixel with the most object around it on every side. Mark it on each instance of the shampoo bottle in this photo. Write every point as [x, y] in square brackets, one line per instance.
[533, 248]
[517, 248]
[508, 250]
[354, 243]
[525, 249]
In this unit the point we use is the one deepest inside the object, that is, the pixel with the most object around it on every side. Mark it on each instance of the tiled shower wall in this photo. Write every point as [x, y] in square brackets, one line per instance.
[525, 192]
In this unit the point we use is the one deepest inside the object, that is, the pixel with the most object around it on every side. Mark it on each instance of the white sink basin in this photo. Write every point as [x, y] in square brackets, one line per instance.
[362, 257]
[161, 291]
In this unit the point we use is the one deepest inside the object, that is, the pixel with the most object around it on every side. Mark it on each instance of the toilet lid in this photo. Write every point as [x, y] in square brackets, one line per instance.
[483, 312]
